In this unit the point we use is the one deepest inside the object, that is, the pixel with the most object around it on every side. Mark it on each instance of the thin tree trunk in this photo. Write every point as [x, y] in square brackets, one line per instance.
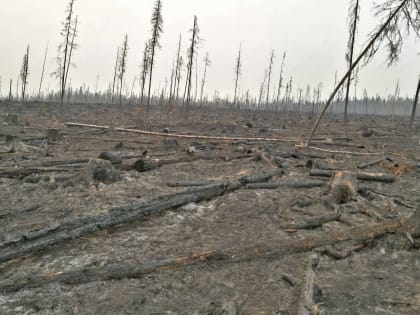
[70, 53]
[203, 82]
[416, 100]
[10, 90]
[115, 75]
[66, 47]
[177, 71]
[43, 71]
[150, 77]
[270, 68]
[353, 37]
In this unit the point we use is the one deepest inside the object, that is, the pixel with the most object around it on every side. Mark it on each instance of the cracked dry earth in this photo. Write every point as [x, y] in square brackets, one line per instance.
[259, 267]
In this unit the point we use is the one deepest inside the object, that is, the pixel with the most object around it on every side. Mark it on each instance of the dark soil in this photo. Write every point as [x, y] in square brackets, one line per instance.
[381, 277]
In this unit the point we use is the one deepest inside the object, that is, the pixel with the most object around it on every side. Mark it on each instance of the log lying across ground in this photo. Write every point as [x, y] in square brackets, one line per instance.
[189, 183]
[23, 172]
[371, 163]
[172, 135]
[291, 184]
[36, 241]
[313, 222]
[379, 177]
[306, 300]
[282, 247]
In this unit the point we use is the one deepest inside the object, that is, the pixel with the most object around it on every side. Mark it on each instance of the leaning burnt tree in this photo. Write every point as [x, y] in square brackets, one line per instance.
[399, 19]
[238, 72]
[66, 48]
[157, 29]
[43, 71]
[354, 13]
[24, 73]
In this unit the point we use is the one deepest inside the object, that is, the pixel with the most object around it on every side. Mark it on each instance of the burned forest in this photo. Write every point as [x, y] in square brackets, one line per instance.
[209, 177]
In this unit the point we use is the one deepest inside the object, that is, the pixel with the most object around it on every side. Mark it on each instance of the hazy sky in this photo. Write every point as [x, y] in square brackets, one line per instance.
[313, 32]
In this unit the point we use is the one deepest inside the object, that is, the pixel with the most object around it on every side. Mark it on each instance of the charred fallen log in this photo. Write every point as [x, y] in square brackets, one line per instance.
[33, 242]
[313, 222]
[379, 177]
[372, 163]
[290, 184]
[359, 234]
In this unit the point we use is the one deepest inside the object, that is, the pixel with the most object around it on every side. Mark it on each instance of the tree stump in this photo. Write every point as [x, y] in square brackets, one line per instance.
[171, 144]
[53, 135]
[12, 143]
[102, 171]
[12, 119]
[343, 187]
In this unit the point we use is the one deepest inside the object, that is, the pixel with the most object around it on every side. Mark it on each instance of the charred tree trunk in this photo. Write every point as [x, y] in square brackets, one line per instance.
[416, 101]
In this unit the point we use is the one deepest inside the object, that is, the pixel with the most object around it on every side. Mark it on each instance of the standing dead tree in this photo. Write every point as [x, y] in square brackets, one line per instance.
[280, 85]
[10, 90]
[238, 72]
[191, 53]
[262, 87]
[65, 49]
[356, 83]
[144, 69]
[43, 71]
[24, 73]
[157, 29]
[122, 65]
[114, 82]
[171, 88]
[396, 97]
[353, 20]
[177, 74]
[270, 69]
[400, 17]
[196, 78]
[416, 101]
[207, 63]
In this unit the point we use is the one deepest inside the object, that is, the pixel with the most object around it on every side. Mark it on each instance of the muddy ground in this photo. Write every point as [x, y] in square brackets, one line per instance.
[380, 276]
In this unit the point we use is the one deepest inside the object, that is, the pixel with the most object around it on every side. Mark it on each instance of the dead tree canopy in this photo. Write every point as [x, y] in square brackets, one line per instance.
[66, 48]
[157, 29]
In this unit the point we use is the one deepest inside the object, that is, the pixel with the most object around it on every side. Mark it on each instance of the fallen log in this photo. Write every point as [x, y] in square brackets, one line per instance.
[379, 177]
[19, 173]
[87, 126]
[291, 184]
[113, 272]
[110, 156]
[146, 164]
[189, 183]
[339, 255]
[172, 135]
[371, 163]
[31, 243]
[282, 248]
[306, 300]
[313, 222]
